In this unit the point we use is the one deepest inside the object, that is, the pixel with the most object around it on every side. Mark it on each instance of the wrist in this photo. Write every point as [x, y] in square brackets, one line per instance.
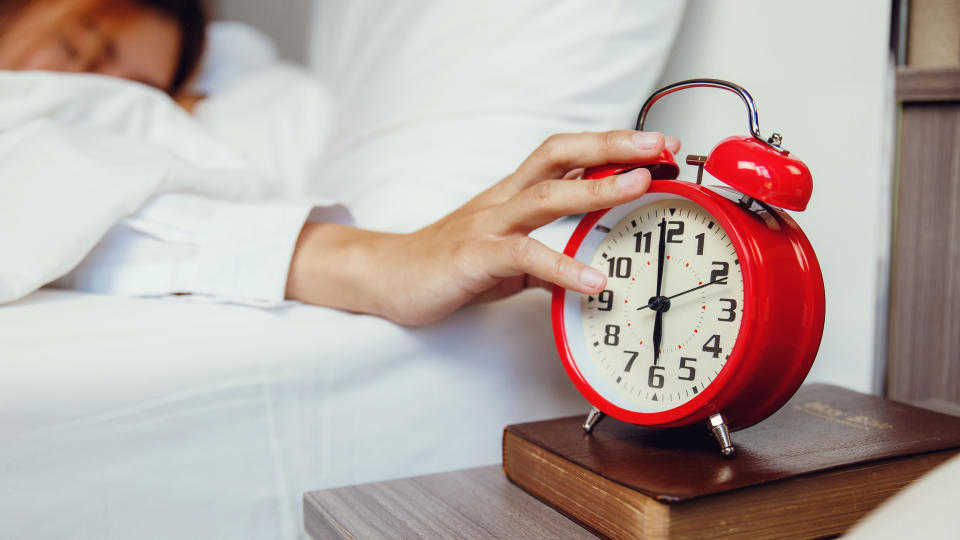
[340, 267]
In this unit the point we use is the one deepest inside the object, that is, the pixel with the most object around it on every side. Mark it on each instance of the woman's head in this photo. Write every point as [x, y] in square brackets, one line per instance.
[157, 42]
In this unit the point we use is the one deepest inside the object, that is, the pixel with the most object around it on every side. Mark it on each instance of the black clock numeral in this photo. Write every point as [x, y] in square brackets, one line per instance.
[720, 273]
[654, 377]
[731, 310]
[700, 238]
[612, 335]
[713, 349]
[691, 371]
[677, 230]
[643, 241]
[620, 267]
[605, 297]
[633, 356]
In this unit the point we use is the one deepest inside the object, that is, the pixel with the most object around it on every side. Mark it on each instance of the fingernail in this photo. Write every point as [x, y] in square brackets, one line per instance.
[628, 179]
[591, 278]
[645, 140]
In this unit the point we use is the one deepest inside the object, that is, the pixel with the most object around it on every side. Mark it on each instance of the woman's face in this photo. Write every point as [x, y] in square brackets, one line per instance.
[119, 38]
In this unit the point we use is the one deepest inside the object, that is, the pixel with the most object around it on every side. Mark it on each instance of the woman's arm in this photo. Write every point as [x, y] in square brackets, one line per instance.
[481, 251]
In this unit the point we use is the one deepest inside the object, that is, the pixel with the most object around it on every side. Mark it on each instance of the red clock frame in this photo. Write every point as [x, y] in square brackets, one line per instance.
[781, 328]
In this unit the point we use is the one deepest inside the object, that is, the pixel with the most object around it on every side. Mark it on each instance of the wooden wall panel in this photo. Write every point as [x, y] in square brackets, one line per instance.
[934, 33]
[924, 346]
[928, 84]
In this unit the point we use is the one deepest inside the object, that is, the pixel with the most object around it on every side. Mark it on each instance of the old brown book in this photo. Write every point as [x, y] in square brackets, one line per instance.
[814, 468]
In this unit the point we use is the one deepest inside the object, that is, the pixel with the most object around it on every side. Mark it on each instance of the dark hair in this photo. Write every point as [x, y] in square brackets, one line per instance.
[191, 16]
[8, 8]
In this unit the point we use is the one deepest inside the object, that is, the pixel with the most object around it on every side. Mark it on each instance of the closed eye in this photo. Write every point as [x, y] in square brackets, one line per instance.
[69, 50]
[110, 51]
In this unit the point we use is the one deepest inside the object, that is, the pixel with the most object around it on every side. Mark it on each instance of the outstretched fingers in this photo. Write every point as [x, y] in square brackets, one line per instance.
[549, 200]
[673, 144]
[560, 154]
[519, 255]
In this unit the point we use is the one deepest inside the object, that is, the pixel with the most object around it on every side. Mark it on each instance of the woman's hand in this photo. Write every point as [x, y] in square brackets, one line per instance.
[481, 251]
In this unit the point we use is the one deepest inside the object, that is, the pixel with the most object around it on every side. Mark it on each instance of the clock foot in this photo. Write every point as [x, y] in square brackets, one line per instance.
[718, 425]
[593, 417]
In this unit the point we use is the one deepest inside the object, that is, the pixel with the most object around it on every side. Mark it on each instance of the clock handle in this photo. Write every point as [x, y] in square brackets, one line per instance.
[774, 140]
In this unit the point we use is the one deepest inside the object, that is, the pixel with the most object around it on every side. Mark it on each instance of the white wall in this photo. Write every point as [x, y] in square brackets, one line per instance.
[285, 21]
[818, 71]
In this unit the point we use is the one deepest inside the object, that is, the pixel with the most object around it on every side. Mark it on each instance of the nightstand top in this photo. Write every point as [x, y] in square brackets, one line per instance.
[473, 503]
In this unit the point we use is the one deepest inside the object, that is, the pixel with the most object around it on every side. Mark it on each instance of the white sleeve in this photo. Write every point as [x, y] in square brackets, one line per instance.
[225, 251]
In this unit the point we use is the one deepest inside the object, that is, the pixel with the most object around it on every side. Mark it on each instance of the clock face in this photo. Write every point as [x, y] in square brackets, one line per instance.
[665, 325]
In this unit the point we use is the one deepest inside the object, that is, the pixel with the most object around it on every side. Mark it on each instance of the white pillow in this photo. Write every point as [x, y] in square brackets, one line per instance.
[233, 50]
[436, 100]
[277, 116]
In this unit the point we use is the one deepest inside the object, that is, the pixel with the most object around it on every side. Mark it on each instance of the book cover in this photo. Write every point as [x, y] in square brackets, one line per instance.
[829, 452]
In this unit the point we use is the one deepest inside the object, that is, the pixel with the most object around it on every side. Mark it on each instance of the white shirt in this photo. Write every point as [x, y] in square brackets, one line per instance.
[216, 250]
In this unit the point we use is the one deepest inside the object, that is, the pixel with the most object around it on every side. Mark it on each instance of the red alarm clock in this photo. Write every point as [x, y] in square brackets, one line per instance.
[714, 305]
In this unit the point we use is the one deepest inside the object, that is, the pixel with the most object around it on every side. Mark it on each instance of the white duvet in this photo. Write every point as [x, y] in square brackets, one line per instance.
[80, 152]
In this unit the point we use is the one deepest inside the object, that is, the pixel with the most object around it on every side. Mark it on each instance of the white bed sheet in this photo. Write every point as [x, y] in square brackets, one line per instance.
[156, 418]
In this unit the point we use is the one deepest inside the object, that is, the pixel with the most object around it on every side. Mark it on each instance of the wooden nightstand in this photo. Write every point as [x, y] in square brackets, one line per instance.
[474, 503]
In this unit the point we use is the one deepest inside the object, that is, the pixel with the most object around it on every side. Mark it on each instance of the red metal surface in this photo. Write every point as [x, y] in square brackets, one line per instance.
[762, 172]
[663, 168]
[782, 324]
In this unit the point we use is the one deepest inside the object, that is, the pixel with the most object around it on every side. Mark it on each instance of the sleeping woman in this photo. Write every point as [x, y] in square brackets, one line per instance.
[155, 42]
[479, 252]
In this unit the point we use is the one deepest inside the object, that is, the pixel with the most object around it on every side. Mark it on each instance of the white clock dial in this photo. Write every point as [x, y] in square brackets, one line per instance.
[700, 305]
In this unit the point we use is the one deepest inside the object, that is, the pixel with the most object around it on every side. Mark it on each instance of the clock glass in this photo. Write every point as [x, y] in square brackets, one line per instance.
[670, 315]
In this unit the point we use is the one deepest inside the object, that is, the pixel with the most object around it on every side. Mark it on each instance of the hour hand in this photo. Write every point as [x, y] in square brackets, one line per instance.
[657, 334]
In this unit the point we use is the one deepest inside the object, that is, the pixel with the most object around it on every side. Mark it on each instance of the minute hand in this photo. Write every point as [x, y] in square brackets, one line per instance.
[697, 288]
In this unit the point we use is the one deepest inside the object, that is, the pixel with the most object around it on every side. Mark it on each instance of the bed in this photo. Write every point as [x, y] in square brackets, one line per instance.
[210, 420]
[178, 417]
